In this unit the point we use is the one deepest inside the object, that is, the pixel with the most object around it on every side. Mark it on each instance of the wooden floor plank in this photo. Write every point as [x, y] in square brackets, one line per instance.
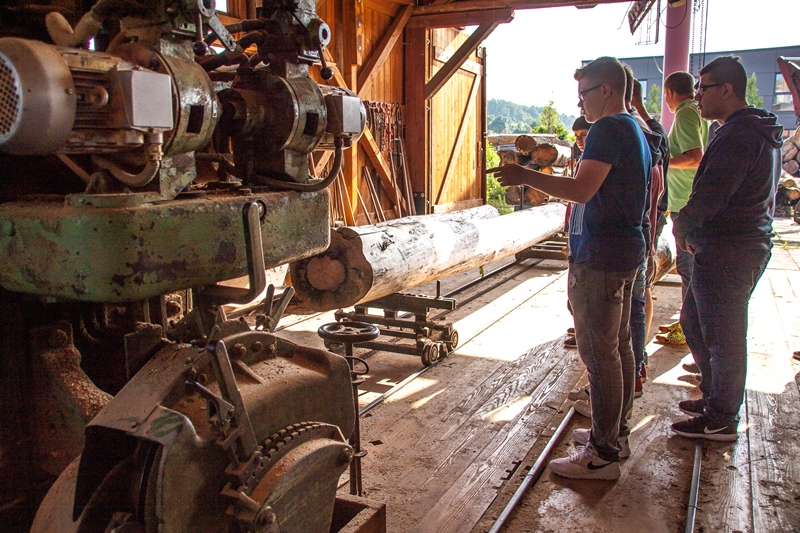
[773, 405]
[549, 376]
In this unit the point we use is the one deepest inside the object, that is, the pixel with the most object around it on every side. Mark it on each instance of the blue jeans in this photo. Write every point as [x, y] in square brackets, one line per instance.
[684, 262]
[638, 319]
[601, 302]
[714, 320]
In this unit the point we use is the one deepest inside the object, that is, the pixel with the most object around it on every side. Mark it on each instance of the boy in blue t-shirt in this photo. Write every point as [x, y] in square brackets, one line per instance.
[606, 248]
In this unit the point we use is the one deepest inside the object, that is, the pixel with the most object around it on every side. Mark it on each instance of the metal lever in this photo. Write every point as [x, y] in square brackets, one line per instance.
[241, 439]
[272, 315]
[255, 264]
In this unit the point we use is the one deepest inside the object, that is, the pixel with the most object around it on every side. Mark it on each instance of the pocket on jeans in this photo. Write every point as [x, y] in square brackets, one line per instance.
[615, 289]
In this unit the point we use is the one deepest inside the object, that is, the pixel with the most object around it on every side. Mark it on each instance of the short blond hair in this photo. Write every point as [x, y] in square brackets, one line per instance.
[606, 70]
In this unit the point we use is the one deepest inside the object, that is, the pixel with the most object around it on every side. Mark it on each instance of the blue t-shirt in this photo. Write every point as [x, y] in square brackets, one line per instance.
[606, 232]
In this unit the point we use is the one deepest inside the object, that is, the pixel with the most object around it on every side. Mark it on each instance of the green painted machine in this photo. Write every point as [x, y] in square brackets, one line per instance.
[147, 156]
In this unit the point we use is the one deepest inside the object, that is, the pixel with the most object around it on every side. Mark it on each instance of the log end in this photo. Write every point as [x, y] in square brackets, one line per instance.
[324, 273]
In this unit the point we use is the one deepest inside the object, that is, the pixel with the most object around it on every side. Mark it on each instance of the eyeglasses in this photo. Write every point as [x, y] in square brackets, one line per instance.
[582, 94]
[700, 89]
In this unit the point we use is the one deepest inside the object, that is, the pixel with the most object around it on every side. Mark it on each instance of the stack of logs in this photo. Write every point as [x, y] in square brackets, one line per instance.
[545, 153]
[791, 154]
[788, 194]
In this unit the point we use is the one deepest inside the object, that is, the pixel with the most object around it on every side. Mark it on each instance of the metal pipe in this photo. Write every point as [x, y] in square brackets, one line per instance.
[316, 186]
[533, 474]
[691, 508]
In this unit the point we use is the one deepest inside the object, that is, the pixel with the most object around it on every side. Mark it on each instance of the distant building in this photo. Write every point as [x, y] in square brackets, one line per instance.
[770, 82]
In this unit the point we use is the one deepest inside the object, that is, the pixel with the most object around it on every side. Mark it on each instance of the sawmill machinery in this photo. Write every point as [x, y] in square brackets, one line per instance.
[149, 153]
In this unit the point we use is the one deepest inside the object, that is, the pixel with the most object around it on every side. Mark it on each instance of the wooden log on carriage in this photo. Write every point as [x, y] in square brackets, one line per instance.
[367, 262]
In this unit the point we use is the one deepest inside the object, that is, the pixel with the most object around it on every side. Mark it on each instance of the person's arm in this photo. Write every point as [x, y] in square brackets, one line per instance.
[720, 176]
[638, 102]
[689, 127]
[587, 181]
[688, 160]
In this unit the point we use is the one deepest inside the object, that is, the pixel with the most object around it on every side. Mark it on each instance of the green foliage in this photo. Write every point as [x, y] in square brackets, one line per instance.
[751, 93]
[549, 118]
[561, 131]
[515, 114]
[499, 124]
[653, 104]
[519, 127]
[495, 193]
[492, 159]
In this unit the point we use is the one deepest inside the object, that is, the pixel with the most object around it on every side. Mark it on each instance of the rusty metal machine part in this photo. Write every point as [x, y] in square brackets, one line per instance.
[121, 192]
[157, 453]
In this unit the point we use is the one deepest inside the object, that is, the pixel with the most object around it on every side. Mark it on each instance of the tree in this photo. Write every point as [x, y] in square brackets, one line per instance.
[653, 104]
[549, 118]
[751, 94]
[498, 125]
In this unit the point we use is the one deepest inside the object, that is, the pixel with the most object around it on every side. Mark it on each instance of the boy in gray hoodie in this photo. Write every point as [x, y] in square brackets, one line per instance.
[727, 226]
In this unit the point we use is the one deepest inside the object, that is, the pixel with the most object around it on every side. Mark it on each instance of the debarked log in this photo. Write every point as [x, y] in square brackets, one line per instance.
[367, 262]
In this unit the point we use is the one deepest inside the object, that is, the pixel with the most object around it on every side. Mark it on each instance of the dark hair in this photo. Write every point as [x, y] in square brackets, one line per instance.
[680, 82]
[580, 123]
[606, 70]
[728, 69]
[629, 79]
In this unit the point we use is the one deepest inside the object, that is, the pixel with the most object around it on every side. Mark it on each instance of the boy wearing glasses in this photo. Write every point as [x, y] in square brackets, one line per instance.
[727, 227]
[606, 248]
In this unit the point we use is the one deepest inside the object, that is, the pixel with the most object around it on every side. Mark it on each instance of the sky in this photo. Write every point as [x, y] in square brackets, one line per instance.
[532, 59]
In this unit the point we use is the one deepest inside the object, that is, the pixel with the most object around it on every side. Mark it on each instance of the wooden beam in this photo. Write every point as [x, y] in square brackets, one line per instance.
[384, 173]
[477, 5]
[353, 18]
[459, 19]
[416, 113]
[451, 67]
[382, 51]
[456, 151]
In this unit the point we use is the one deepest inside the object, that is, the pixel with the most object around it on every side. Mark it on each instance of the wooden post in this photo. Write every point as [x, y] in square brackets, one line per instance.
[416, 114]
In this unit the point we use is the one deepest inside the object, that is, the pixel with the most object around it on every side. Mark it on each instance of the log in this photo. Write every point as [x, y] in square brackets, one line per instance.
[792, 193]
[513, 194]
[789, 151]
[368, 262]
[551, 155]
[788, 182]
[791, 167]
[525, 144]
[665, 251]
[535, 196]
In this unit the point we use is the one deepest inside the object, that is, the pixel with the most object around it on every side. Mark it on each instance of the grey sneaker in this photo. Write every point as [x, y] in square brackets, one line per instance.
[585, 465]
[581, 393]
[581, 436]
[583, 407]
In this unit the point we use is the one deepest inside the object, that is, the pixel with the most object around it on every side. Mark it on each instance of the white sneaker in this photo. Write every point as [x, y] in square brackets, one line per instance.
[585, 465]
[583, 407]
[581, 436]
[581, 393]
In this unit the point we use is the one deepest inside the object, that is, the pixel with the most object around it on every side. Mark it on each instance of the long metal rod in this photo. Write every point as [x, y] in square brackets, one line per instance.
[377, 401]
[691, 508]
[533, 474]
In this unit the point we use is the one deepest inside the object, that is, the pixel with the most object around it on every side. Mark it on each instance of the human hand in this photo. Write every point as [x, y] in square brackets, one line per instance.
[511, 174]
[637, 100]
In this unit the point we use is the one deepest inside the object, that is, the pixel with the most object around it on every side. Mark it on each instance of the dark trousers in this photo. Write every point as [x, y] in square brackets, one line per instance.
[714, 320]
[684, 262]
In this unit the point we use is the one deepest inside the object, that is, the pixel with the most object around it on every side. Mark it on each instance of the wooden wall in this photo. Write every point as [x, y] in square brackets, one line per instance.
[457, 117]
[443, 134]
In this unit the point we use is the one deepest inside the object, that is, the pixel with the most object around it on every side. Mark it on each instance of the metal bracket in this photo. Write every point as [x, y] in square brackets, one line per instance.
[268, 321]
[255, 264]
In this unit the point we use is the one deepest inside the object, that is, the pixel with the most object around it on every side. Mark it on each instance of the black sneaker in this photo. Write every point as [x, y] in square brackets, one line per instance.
[703, 427]
[693, 407]
[570, 342]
